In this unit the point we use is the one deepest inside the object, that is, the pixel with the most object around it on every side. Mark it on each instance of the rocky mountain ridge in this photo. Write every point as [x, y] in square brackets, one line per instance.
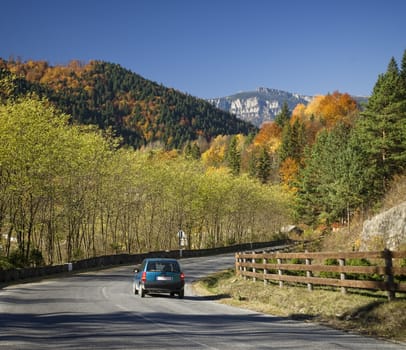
[259, 106]
[263, 104]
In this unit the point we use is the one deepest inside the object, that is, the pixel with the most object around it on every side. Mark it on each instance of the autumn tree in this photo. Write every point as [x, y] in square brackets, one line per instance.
[269, 136]
[337, 107]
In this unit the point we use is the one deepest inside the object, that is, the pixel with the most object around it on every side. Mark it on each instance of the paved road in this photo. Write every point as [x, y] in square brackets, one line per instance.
[97, 310]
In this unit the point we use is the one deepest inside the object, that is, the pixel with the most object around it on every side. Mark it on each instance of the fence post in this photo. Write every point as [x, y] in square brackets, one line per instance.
[309, 274]
[265, 270]
[389, 281]
[244, 268]
[237, 260]
[342, 275]
[279, 261]
[254, 270]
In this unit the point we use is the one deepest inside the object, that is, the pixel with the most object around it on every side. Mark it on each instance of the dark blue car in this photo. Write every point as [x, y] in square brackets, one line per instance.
[158, 275]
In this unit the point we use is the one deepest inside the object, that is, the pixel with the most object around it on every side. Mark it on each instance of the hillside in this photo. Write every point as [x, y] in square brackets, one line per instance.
[137, 109]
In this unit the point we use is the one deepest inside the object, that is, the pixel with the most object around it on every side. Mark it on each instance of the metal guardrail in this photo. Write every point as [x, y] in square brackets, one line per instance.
[19, 274]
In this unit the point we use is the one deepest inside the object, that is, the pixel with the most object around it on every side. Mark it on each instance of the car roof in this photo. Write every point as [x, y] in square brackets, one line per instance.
[160, 259]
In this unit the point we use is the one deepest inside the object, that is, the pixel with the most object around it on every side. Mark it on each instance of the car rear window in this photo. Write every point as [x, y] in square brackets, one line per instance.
[163, 266]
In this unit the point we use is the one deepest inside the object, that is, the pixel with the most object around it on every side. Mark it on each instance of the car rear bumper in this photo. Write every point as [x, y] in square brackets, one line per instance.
[160, 287]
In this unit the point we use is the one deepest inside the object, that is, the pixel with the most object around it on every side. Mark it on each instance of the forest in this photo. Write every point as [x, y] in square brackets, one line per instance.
[126, 169]
[109, 96]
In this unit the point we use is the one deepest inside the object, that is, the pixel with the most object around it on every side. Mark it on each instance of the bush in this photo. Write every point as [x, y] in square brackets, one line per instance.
[36, 258]
[5, 264]
[17, 259]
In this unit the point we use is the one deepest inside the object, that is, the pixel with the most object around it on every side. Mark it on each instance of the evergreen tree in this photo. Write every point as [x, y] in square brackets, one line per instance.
[382, 127]
[234, 156]
[293, 141]
[403, 70]
[336, 178]
[195, 151]
[264, 165]
[283, 116]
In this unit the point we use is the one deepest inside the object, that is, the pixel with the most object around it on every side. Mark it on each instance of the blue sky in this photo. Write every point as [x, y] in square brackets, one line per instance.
[213, 48]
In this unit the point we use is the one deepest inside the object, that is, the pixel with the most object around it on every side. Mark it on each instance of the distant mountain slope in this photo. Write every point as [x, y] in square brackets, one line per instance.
[261, 105]
[139, 110]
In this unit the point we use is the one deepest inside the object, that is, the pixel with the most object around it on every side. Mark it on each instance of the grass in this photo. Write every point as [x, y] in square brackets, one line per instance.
[364, 312]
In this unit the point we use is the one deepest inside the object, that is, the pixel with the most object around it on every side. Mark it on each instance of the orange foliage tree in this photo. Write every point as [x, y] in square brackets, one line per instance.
[337, 107]
[269, 136]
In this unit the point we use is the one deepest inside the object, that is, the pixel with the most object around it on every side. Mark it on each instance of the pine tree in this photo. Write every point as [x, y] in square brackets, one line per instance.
[382, 126]
[293, 142]
[283, 116]
[234, 156]
[264, 166]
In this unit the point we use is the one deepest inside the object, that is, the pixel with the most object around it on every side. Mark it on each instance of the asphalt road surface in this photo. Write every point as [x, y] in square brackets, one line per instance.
[97, 310]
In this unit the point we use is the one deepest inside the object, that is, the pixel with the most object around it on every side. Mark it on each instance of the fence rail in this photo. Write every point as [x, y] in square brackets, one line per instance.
[383, 270]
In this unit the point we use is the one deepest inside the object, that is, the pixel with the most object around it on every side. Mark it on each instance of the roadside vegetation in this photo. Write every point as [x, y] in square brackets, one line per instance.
[364, 312]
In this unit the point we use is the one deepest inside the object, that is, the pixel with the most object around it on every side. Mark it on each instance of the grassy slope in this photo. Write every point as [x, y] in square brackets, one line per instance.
[367, 313]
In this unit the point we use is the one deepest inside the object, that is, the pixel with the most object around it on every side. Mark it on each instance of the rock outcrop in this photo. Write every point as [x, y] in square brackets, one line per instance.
[387, 228]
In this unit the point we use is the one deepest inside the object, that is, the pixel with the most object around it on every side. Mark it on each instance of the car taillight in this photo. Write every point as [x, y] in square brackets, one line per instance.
[144, 277]
[182, 276]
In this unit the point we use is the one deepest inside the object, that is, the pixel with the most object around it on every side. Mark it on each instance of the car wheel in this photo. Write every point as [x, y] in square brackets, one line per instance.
[181, 294]
[142, 292]
[135, 290]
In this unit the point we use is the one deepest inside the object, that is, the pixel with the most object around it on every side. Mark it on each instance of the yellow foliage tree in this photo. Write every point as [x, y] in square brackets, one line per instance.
[288, 171]
[215, 155]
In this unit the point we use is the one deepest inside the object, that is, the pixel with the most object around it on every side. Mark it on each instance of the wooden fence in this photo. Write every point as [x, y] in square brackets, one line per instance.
[384, 270]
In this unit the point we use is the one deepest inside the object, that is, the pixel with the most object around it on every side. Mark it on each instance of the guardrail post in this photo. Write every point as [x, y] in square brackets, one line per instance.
[265, 270]
[389, 281]
[342, 275]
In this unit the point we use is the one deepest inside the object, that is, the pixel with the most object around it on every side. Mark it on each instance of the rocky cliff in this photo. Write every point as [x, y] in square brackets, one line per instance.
[260, 105]
[387, 228]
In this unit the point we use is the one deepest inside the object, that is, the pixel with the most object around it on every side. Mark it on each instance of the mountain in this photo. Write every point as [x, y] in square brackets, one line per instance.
[110, 96]
[260, 105]
[263, 104]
